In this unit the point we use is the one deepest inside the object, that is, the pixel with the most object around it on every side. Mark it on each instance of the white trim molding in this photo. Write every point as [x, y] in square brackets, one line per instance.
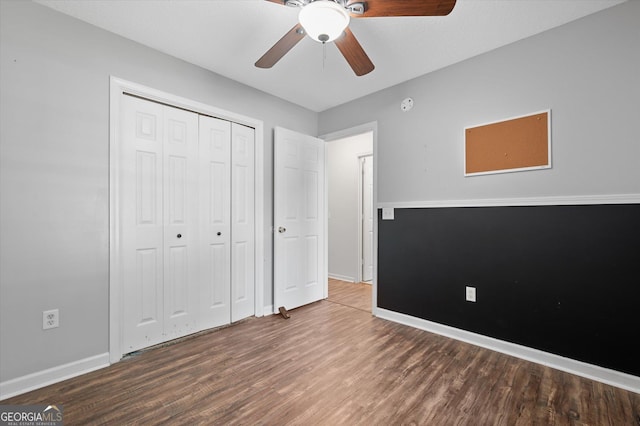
[569, 200]
[351, 131]
[579, 368]
[342, 278]
[53, 375]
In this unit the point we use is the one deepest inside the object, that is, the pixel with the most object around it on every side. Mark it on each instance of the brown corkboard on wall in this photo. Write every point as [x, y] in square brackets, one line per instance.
[521, 143]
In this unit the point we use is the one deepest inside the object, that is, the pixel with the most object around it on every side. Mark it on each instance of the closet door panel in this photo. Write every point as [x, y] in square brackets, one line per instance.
[243, 238]
[215, 221]
[180, 195]
[141, 222]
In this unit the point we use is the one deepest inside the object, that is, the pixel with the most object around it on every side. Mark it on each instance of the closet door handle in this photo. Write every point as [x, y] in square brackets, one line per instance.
[179, 235]
[282, 229]
[219, 233]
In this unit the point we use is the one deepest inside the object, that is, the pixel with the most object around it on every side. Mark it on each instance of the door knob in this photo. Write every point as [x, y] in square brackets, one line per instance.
[219, 233]
[282, 229]
[179, 235]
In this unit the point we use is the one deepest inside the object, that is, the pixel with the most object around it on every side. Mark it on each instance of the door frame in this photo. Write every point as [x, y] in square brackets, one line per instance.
[361, 159]
[345, 133]
[117, 87]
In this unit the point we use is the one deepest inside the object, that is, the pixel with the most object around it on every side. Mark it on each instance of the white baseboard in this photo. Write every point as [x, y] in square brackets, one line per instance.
[579, 368]
[342, 277]
[53, 375]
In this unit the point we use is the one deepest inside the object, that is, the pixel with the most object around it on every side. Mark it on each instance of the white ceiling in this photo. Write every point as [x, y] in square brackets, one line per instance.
[228, 36]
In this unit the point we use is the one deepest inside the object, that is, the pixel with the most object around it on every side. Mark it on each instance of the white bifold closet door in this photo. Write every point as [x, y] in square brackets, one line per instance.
[228, 237]
[159, 222]
[186, 220]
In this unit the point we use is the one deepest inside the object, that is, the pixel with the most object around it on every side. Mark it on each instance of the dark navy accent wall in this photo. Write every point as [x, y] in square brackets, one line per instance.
[561, 279]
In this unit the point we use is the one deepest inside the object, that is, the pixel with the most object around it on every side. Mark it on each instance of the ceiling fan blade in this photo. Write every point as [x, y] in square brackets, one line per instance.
[374, 8]
[354, 53]
[280, 49]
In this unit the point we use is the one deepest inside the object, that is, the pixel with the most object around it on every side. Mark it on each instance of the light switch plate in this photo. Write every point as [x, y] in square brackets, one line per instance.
[387, 213]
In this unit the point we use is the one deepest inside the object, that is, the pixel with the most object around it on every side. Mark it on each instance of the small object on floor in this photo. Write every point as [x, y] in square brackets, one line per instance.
[284, 313]
[573, 414]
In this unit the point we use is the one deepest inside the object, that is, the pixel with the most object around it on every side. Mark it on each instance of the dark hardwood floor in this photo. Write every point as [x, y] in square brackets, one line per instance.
[332, 364]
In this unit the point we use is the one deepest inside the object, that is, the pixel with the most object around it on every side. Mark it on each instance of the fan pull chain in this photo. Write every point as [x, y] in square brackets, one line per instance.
[324, 54]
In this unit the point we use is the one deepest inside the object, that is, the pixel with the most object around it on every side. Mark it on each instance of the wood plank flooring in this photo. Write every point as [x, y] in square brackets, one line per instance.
[332, 364]
[356, 295]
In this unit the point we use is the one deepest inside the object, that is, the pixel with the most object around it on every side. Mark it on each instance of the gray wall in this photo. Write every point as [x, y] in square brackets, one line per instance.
[586, 71]
[54, 147]
[343, 176]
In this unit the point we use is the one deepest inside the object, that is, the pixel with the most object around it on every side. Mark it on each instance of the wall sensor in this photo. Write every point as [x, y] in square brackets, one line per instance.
[406, 104]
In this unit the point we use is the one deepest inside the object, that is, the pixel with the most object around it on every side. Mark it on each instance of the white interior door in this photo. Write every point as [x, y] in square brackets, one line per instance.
[300, 271]
[157, 213]
[243, 222]
[215, 221]
[367, 218]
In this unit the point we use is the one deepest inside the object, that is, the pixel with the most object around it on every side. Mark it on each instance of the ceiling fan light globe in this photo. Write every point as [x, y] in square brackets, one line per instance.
[323, 20]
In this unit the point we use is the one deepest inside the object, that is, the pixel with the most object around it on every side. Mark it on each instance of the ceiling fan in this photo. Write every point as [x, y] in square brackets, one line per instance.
[328, 20]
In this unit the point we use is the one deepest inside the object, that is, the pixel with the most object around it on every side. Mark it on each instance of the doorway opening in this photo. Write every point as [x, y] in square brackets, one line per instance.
[351, 217]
